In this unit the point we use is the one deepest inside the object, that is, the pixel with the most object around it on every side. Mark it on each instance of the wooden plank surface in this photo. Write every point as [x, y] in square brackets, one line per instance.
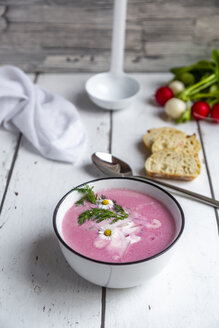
[209, 133]
[184, 294]
[35, 279]
[36, 33]
[8, 144]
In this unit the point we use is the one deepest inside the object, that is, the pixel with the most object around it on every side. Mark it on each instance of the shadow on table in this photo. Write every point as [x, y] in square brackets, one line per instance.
[83, 102]
[158, 110]
[152, 101]
[145, 153]
[93, 171]
[47, 268]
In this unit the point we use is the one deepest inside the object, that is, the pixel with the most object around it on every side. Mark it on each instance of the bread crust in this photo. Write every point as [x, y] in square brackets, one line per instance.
[151, 134]
[183, 150]
[155, 163]
[168, 176]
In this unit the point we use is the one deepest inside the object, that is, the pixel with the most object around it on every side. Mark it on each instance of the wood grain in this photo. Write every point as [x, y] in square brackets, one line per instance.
[7, 147]
[8, 144]
[36, 281]
[2, 10]
[36, 33]
[183, 294]
[48, 292]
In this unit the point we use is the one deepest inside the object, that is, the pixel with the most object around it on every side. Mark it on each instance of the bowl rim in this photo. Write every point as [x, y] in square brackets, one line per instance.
[116, 263]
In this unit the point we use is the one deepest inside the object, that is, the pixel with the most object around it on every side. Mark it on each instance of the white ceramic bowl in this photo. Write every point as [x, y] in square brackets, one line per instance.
[118, 275]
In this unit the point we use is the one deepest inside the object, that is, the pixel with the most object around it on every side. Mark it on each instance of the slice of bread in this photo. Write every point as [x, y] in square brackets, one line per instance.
[192, 145]
[173, 164]
[173, 140]
[152, 134]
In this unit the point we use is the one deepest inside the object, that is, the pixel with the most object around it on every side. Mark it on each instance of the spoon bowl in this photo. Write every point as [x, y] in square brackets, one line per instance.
[111, 165]
[110, 91]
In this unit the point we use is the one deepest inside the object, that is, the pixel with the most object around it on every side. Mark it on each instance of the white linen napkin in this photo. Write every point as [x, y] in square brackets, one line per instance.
[50, 122]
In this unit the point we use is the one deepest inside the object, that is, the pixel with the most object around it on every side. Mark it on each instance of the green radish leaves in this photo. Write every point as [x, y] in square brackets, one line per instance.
[215, 57]
[202, 83]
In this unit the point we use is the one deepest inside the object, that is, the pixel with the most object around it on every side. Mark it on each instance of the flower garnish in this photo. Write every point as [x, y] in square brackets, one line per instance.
[107, 232]
[105, 203]
[102, 212]
[117, 237]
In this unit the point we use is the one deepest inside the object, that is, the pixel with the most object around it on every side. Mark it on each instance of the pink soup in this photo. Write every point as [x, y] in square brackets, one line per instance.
[148, 229]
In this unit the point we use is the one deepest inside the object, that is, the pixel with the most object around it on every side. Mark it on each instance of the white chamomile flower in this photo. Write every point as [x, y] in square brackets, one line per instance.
[105, 204]
[107, 232]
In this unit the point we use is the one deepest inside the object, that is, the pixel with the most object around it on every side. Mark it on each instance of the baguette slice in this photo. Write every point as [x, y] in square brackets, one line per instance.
[172, 139]
[173, 164]
[192, 145]
[152, 134]
[189, 144]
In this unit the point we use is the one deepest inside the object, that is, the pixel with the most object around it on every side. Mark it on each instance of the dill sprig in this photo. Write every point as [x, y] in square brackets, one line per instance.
[90, 196]
[99, 215]
[118, 208]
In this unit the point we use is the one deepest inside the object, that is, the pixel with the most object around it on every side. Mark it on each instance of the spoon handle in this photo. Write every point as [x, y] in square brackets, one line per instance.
[118, 37]
[198, 197]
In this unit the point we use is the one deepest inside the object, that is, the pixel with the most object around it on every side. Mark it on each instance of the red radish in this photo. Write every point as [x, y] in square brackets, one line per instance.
[200, 109]
[215, 113]
[163, 94]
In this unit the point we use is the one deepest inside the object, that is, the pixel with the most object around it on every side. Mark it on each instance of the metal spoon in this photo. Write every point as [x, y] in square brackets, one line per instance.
[113, 166]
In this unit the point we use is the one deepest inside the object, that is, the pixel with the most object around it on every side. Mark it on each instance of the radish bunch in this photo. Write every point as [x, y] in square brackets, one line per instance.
[194, 91]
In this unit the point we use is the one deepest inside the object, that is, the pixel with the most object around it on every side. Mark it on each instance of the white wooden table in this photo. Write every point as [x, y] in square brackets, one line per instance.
[39, 289]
